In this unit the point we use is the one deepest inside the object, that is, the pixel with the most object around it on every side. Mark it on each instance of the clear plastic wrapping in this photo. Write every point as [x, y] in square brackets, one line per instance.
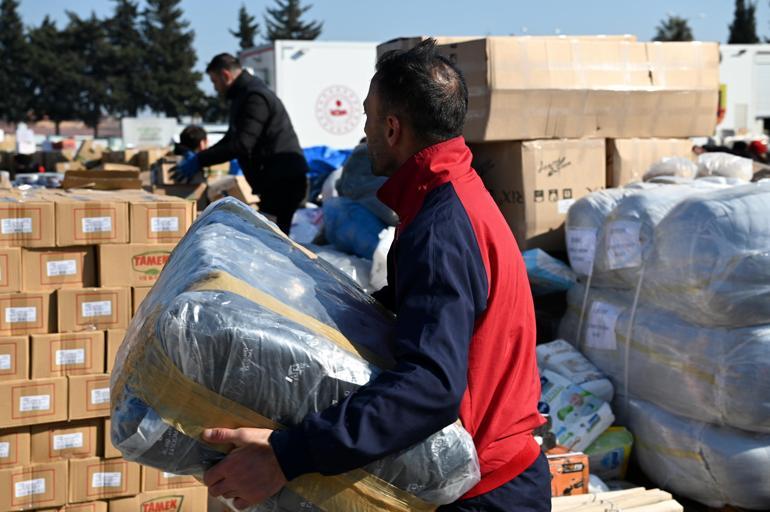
[725, 165]
[714, 465]
[711, 262]
[719, 376]
[244, 321]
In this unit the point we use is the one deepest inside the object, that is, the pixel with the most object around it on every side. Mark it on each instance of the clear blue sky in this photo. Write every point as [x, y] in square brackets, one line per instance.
[380, 20]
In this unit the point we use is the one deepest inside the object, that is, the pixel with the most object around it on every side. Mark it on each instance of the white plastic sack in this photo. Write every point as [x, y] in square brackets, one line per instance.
[726, 165]
[715, 466]
[672, 166]
[358, 269]
[329, 187]
[378, 278]
[306, 224]
[560, 357]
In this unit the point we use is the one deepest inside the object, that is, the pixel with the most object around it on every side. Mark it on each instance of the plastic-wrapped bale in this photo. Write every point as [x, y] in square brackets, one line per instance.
[719, 376]
[716, 466]
[358, 269]
[584, 220]
[351, 227]
[711, 263]
[245, 328]
[626, 237]
[726, 166]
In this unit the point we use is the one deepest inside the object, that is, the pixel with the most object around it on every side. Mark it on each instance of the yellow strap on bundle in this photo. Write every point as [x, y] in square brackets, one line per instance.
[191, 408]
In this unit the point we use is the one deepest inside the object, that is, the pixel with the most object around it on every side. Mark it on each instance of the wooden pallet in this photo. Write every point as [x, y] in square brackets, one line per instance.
[638, 499]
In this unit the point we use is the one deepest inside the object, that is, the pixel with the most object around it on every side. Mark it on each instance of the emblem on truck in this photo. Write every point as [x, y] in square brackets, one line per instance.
[338, 110]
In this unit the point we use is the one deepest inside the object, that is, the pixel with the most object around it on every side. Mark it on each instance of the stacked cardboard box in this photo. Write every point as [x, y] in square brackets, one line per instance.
[546, 113]
[71, 265]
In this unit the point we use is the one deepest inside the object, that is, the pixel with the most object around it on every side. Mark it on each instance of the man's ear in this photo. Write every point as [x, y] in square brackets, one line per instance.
[394, 130]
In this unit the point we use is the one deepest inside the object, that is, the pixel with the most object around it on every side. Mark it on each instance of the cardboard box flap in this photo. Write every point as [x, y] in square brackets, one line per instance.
[693, 65]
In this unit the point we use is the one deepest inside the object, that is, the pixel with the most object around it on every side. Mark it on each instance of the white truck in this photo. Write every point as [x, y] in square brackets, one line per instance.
[745, 70]
[322, 84]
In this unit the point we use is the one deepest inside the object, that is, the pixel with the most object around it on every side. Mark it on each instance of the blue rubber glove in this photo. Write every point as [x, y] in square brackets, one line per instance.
[187, 169]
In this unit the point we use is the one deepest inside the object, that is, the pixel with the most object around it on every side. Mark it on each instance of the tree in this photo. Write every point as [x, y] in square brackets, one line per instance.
[54, 76]
[126, 75]
[171, 83]
[286, 22]
[247, 29]
[15, 95]
[743, 29]
[674, 28]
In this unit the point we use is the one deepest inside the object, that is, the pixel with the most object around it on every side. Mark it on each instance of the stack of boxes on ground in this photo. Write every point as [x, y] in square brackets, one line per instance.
[550, 121]
[73, 267]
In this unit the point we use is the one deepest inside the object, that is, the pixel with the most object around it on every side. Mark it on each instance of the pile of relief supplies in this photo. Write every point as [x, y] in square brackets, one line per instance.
[247, 328]
[345, 223]
[669, 302]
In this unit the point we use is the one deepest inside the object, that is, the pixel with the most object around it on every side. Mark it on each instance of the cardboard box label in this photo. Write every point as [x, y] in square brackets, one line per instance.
[98, 308]
[70, 356]
[5, 450]
[34, 403]
[600, 328]
[20, 315]
[5, 361]
[29, 487]
[624, 248]
[581, 248]
[68, 441]
[111, 479]
[164, 224]
[62, 268]
[14, 226]
[97, 224]
[100, 396]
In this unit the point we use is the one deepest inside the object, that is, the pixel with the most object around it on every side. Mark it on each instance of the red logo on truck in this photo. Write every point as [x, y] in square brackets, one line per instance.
[338, 110]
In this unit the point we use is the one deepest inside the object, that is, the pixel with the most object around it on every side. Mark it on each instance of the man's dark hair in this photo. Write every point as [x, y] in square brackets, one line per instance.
[192, 136]
[223, 61]
[425, 88]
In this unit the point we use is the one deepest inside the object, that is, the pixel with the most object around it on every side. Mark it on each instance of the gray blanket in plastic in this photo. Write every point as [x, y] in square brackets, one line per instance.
[261, 359]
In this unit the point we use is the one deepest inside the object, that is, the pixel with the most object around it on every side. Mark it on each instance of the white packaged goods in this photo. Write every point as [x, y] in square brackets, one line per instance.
[726, 166]
[358, 269]
[560, 357]
[378, 278]
[709, 374]
[672, 166]
[714, 465]
[608, 456]
[711, 263]
[546, 273]
[578, 416]
[243, 323]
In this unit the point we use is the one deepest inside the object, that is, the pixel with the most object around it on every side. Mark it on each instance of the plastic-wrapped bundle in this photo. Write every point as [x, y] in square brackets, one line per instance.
[358, 183]
[711, 262]
[719, 376]
[358, 269]
[244, 328]
[714, 465]
[626, 237]
[546, 273]
[725, 165]
[351, 227]
[560, 357]
[672, 166]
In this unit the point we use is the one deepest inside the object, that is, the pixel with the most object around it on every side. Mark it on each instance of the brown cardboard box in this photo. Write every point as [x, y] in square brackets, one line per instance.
[69, 166]
[50, 269]
[110, 452]
[59, 355]
[10, 269]
[194, 193]
[629, 159]
[532, 88]
[157, 480]
[26, 220]
[89, 151]
[407, 43]
[88, 217]
[63, 441]
[94, 479]
[93, 308]
[33, 402]
[232, 186]
[14, 448]
[535, 182]
[33, 487]
[14, 358]
[91, 506]
[132, 264]
[569, 473]
[146, 158]
[101, 179]
[26, 313]
[125, 156]
[193, 499]
[89, 396]
[114, 340]
[159, 219]
[138, 295]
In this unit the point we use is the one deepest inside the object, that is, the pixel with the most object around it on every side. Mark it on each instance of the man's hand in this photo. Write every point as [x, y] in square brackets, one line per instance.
[187, 169]
[250, 473]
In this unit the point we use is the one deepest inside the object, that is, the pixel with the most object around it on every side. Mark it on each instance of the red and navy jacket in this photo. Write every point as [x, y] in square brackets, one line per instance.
[464, 336]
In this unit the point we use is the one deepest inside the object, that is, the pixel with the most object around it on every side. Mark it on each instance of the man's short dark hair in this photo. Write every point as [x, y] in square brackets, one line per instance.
[425, 88]
[192, 136]
[223, 61]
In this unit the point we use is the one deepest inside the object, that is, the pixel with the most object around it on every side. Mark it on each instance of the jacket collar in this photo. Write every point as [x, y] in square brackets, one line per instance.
[405, 190]
[238, 84]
